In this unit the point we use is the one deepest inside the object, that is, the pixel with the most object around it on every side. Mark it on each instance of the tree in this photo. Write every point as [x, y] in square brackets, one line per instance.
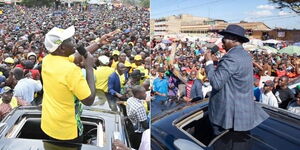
[31, 3]
[145, 3]
[294, 5]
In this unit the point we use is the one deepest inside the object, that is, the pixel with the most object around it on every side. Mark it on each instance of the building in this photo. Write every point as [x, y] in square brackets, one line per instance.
[173, 24]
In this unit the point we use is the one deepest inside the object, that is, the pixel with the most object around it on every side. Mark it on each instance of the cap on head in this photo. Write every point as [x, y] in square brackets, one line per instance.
[137, 57]
[103, 59]
[115, 52]
[56, 36]
[269, 83]
[31, 54]
[9, 60]
[5, 90]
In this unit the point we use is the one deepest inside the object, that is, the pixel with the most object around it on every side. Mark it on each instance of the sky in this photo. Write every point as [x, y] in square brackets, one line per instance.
[232, 11]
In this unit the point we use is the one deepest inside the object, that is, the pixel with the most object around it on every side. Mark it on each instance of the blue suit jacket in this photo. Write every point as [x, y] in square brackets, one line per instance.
[231, 102]
[114, 84]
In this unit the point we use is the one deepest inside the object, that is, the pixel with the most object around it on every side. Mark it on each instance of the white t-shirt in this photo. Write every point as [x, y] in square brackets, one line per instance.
[268, 99]
[26, 88]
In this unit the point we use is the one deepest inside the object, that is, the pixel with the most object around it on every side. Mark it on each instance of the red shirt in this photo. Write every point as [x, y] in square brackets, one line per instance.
[189, 86]
[280, 73]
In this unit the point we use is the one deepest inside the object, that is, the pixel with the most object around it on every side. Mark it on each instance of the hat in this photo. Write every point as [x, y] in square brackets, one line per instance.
[137, 57]
[136, 73]
[5, 89]
[116, 52]
[31, 54]
[9, 60]
[269, 83]
[103, 59]
[56, 36]
[235, 30]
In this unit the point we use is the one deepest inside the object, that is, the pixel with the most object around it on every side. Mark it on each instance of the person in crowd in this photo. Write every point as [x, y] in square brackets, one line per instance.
[6, 97]
[294, 106]
[283, 94]
[26, 87]
[137, 113]
[231, 104]
[115, 58]
[193, 88]
[267, 97]
[135, 79]
[114, 86]
[160, 86]
[102, 74]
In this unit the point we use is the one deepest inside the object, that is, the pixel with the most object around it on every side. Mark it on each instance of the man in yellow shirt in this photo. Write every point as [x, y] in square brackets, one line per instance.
[115, 56]
[64, 86]
[102, 74]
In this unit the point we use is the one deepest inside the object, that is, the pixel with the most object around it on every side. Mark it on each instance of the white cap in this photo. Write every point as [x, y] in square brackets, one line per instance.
[103, 59]
[56, 36]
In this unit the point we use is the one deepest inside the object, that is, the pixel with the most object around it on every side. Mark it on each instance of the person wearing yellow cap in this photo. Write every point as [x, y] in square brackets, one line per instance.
[137, 62]
[115, 56]
[9, 62]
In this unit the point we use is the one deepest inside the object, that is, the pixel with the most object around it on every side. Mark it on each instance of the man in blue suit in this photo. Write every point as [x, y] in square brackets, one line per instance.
[114, 86]
[231, 104]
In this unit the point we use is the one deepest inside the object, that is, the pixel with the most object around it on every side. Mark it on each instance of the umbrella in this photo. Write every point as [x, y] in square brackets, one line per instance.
[291, 50]
[256, 42]
[297, 44]
[250, 47]
[166, 41]
[272, 41]
[269, 49]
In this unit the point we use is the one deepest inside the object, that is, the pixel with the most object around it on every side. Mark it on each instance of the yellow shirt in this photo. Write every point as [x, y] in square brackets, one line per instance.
[114, 64]
[13, 103]
[122, 79]
[63, 81]
[101, 75]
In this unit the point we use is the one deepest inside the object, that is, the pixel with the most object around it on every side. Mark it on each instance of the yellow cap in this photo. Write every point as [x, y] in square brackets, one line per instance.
[116, 52]
[9, 60]
[137, 57]
[131, 43]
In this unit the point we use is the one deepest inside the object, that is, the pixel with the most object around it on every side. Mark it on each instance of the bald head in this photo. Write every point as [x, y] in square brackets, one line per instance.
[139, 92]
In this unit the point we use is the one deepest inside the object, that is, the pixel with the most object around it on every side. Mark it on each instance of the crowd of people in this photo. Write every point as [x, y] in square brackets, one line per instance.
[183, 76]
[121, 66]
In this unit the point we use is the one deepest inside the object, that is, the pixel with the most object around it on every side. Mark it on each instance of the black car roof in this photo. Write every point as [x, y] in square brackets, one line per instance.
[280, 131]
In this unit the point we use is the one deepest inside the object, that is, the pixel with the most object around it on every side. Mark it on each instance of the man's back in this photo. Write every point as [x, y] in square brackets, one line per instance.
[136, 112]
[26, 88]
[102, 74]
[231, 103]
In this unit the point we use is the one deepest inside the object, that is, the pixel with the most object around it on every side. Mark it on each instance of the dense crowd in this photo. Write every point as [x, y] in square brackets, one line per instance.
[121, 67]
[181, 75]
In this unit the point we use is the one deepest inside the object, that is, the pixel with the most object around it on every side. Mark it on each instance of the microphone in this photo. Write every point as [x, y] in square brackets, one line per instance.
[82, 51]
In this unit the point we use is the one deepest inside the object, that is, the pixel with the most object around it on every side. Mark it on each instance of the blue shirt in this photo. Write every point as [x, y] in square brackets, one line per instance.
[161, 86]
[257, 93]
